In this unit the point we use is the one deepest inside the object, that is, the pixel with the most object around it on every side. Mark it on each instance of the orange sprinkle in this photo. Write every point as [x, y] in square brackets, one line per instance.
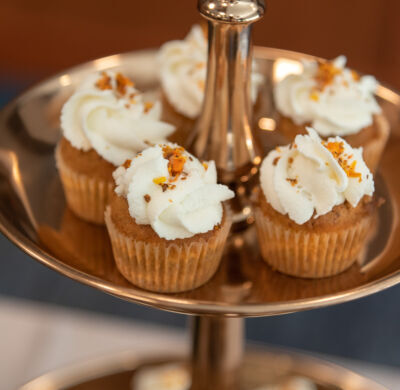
[350, 171]
[200, 84]
[127, 164]
[148, 106]
[355, 75]
[104, 82]
[275, 161]
[293, 182]
[325, 74]
[314, 95]
[159, 180]
[122, 83]
[336, 148]
[176, 161]
[205, 165]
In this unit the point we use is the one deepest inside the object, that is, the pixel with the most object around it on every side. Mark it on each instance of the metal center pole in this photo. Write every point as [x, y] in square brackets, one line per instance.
[217, 352]
[224, 133]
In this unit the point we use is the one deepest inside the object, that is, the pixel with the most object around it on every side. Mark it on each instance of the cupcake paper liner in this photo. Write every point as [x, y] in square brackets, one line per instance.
[86, 196]
[310, 254]
[167, 267]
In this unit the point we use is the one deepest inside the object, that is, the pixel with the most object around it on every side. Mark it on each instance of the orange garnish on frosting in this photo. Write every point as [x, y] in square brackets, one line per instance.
[355, 75]
[176, 161]
[122, 83]
[205, 165]
[314, 95]
[337, 149]
[200, 84]
[351, 170]
[148, 106]
[127, 164]
[159, 180]
[325, 74]
[104, 82]
[293, 182]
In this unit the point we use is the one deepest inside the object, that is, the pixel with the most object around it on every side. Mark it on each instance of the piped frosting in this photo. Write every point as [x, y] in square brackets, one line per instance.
[107, 113]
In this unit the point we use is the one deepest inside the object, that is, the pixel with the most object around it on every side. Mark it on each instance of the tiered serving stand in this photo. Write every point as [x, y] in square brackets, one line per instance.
[34, 216]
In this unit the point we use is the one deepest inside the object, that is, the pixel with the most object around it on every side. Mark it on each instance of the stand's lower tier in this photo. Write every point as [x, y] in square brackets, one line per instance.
[261, 370]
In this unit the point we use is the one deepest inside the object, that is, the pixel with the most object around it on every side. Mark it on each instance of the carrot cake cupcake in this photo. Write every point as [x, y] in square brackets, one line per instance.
[335, 101]
[167, 220]
[105, 122]
[315, 206]
[183, 66]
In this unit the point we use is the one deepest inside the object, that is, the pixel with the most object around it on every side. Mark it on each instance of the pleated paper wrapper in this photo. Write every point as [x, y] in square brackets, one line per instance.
[310, 254]
[168, 267]
[86, 196]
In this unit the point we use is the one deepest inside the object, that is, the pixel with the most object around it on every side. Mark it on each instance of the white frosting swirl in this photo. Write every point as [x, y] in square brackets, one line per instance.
[339, 105]
[189, 205]
[311, 176]
[114, 119]
[183, 73]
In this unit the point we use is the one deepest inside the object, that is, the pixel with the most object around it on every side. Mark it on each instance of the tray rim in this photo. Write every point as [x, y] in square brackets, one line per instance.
[165, 301]
[303, 362]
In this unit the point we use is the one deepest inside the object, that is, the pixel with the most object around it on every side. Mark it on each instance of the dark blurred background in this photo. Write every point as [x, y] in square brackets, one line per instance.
[42, 37]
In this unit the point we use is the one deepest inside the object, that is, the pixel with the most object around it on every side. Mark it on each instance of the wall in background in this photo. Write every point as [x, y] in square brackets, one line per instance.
[41, 37]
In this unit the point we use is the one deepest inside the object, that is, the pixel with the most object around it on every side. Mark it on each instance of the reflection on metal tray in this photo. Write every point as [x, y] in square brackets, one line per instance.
[34, 216]
[272, 370]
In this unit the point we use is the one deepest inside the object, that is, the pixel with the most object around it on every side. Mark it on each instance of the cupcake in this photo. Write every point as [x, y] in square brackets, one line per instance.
[315, 207]
[167, 220]
[105, 122]
[183, 66]
[335, 101]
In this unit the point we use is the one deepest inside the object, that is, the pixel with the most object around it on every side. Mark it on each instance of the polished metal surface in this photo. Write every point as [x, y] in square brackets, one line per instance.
[261, 368]
[232, 11]
[224, 131]
[217, 352]
[33, 213]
